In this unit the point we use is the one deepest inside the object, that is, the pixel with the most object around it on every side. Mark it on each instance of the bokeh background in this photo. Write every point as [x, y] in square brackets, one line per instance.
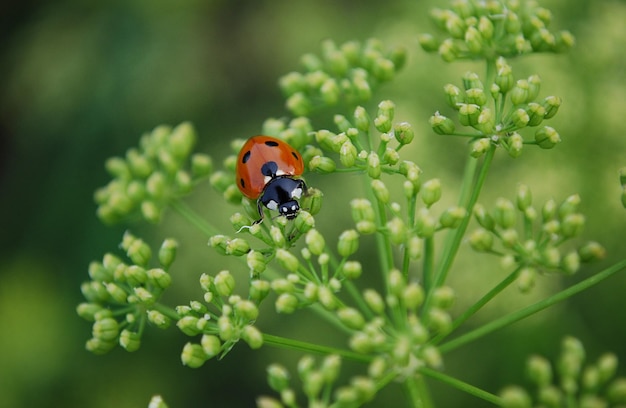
[81, 81]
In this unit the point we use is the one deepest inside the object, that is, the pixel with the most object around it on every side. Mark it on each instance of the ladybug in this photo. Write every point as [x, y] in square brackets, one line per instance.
[267, 170]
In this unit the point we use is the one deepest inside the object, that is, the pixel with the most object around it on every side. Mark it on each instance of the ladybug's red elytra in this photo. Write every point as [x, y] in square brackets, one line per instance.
[267, 170]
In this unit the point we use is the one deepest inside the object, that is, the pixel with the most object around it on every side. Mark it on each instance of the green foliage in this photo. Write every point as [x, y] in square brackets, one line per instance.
[399, 330]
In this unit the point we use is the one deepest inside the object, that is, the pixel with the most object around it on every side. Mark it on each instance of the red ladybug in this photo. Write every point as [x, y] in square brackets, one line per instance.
[266, 171]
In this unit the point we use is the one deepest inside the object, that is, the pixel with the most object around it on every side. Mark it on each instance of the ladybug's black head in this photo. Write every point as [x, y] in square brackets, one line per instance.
[281, 194]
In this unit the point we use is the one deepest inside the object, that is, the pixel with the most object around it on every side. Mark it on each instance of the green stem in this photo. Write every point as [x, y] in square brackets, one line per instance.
[479, 305]
[190, 215]
[452, 245]
[412, 388]
[283, 342]
[429, 249]
[463, 386]
[532, 309]
[166, 310]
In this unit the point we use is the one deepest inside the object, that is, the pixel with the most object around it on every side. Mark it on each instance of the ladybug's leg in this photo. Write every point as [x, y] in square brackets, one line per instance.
[259, 207]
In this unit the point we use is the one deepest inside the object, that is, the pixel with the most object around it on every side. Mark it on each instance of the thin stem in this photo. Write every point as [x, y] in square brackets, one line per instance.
[463, 386]
[283, 342]
[479, 305]
[429, 254]
[414, 394]
[452, 245]
[532, 309]
[190, 215]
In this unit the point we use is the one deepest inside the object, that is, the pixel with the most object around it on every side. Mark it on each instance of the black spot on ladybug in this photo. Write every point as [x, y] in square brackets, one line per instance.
[269, 169]
[243, 183]
[271, 143]
[295, 156]
[246, 157]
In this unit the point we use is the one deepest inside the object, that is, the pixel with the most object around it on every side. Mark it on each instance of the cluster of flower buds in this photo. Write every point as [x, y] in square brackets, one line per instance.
[485, 29]
[317, 384]
[222, 319]
[482, 110]
[534, 248]
[343, 73]
[569, 381]
[122, 297]
[161, 169]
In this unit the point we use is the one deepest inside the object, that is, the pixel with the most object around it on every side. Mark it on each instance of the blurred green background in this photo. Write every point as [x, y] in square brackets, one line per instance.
[81, 81]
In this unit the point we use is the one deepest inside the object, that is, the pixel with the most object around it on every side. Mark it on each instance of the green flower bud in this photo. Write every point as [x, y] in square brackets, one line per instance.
[183, 182]
[473, 40]
[425, 224]
[383, 69]
[413, 296]
[156, 185]
[471, 80]
[326, 297]
[252, 336]
[570, 262]
[549, 210]
[167, 252]
[277, 377]
[322, 164]
[352, 270]
[138, 251]
[237, 247]
[226, 329]
[118, 294]
[167, 161]
[476, 96]
[88, 311]
[591, 251]
[220, 180]
[480, 147]
[468, 114]
[551, 257]
[536, 113]
[432, 357]
[374, 301]
[452, 217]
[484, 218]
[224, 283]
[617, 391]
[569, 206]
[444, 297]
[135, 275]
[361, 119]
[572, 225]
[286, 303]
[431, 192]
[315, 242]
[397, 230]
[151, 211]
[129, 340]
[246, 309]
[291, 83]
[277, 236]
[439, 320]
[211, 345]
[414, 247]
[373, 165]
[351, 318]
[448, 50]
[98, 272]
[534, 84]
[486, 121]
[117, 167]
[256, 261]
[607, 367]
[362, 210]
[504, 76]
[539, 371]
[259, 289]
[428, 42]
[347, 154]
[298, 104]
[403, 133]
[481, 240]
[520, 94]
[504, 213]
[520, 118]
[99, 346]
[330, 91]
[138, 164]
[287, 260]
[282, 285]
[348, 243]
[193, 355]
[515, 397]
[106, 329]
[201, 165]
[454, 96]
[441, 124]
[523, 197]
[158, 319]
